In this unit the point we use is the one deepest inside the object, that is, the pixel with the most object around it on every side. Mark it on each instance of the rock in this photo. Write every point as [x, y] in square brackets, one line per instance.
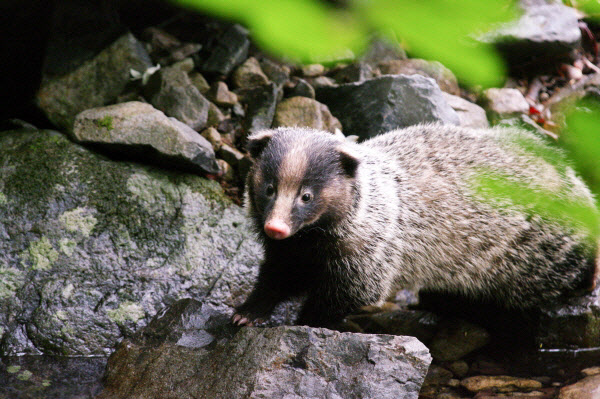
[98, 247]
[230, 155]
[228, 51]
[192, 351]
[219, 93]
[299, 88]
[382, 49]
[546, 31]
[199, 82]
[420, 324]
[186, 65]
[215, 116]
[469, 114]
[213, 136]
[437, 375]
[94, 83]
[260, 105]
[525, 122]
[356, 72]
[386, 103]
[275, 72]
[590, 371]
[171, 91]
[226, 171]
[313, 70]
[571, 325]
[588, 388]
[504, 103]
[500, 383]
[456, 339]
[136, 127]
[304, 112]
[432, 69]
[321, 81]
[249, 74]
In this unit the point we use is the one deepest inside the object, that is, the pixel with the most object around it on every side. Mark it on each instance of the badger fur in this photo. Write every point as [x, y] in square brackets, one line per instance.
[347, 224]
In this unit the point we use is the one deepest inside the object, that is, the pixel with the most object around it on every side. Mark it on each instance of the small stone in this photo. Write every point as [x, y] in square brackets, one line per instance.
[432, 69]
[304, 112]
[199, 82]
[500, 383]
[300, 88]
[215, 116]
[249, 74]
[383, 50]
[322, 81]
[171, 91]
[277, 73]
[469, 114]
[356, 72]
[591, 371]
[186, 65]
[219, 93]
[213, 136]
[313, 70]
[260, 105]
[588, 388]
[230, 155]
[502, 103]
[459, 368]
[226, 171]
[437, 376]
[226, 52]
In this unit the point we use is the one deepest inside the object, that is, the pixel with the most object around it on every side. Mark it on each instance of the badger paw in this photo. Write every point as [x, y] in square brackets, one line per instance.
[244, 319]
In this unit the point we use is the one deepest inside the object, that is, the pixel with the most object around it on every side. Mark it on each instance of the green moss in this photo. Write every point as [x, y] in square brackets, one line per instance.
[126, 311]
[3, 199]
[77, 220]
[25, 375]
[46, 383]
[208, 188]
[40, 254]
[13, 369]
[67, 246]
[10, 281]
[105, 122]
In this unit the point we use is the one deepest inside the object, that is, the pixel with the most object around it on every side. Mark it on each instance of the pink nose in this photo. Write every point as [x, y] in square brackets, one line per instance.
[277, 229]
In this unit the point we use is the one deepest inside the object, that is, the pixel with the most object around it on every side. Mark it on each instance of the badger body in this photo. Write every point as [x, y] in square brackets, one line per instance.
[347, 224]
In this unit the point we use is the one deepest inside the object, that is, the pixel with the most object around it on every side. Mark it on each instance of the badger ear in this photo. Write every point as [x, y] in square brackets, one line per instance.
[349, 161]
[257, 142]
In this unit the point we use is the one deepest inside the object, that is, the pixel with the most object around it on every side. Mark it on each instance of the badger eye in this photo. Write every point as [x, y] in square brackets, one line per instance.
[270, 190]
[307, 197]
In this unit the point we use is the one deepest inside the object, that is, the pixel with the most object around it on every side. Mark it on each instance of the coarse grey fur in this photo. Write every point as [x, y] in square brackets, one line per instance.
[405, 213]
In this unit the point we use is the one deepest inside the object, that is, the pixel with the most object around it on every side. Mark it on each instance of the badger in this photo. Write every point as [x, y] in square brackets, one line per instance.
[347, 224]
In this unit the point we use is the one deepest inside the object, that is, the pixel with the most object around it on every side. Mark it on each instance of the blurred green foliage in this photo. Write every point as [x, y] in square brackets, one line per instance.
[316, 31]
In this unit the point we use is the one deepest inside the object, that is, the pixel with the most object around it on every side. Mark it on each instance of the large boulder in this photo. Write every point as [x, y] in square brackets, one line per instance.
[91, 248]
[390, 102]
[192, 351]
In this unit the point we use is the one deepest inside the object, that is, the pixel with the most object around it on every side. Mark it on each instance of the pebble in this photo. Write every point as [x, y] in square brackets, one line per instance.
[500, 383]
[313, 70]
[220, 94]
[588, 388]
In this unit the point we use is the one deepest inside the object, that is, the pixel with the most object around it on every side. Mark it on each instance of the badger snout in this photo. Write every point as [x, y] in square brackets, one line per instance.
[277, 229]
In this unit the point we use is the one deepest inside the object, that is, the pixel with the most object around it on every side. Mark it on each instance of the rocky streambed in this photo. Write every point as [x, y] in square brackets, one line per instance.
[124, 248]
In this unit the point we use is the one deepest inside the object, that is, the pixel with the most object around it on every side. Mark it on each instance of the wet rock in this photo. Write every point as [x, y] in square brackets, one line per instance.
[95, 83]
[386, 103]
[219, 93]
[171, 91]
[574, 324]
[500, 383]
[432, 69]
[588, 388]
[456, 339]
[228, 51]
[504, 103]
[276, 73]
[192, 351]
[260, 105]
[135, 127]
[356, 72]
[304, 112]
[469, 114]
[249, 74]
[98, 247]
[546, 31]
[299, 88]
